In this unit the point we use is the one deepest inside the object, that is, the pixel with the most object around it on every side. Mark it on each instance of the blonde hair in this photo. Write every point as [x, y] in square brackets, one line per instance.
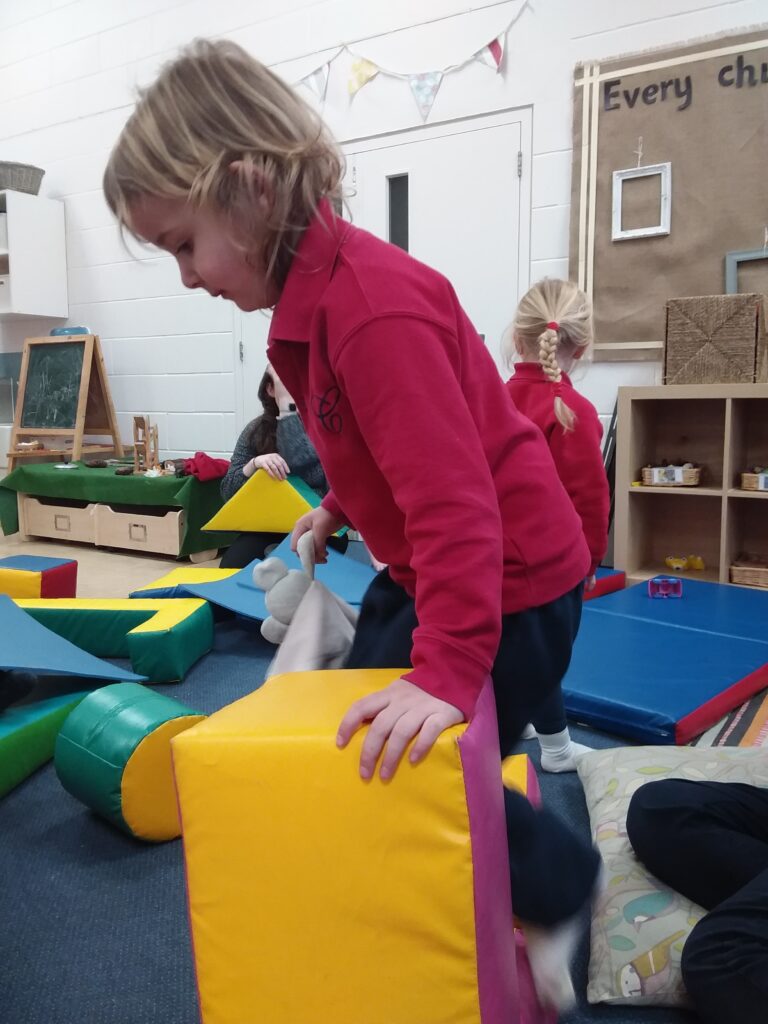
[213, 105]
[553, 322]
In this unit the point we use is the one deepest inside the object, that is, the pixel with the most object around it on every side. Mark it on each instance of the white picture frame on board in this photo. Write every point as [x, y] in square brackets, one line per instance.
[664, 172]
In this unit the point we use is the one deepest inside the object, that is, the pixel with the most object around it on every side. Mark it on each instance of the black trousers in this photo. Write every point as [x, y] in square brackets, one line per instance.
[709, 841]
[552, 871]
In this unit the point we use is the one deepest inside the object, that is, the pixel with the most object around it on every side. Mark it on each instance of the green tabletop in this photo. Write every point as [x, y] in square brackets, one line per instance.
[200, 500]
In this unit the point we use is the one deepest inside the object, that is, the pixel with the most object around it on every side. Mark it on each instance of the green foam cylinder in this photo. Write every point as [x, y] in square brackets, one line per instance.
[113, 754]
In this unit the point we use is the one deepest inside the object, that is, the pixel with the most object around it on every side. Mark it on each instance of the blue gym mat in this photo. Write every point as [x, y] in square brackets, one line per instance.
[663, 671]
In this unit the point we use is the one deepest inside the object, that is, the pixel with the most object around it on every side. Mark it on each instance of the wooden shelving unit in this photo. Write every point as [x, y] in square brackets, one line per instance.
[722, 427]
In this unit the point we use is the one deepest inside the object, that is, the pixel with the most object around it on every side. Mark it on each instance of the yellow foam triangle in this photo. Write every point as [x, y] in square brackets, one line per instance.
[261, 505]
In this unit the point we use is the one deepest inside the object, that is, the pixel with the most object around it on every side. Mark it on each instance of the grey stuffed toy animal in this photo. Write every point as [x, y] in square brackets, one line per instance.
[313, 626]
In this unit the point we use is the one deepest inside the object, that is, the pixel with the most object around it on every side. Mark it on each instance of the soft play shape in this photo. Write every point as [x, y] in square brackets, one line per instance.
[174, 583]
[162, 638]
[30, 646]
[114, 753]
[264, 505]
[639, 924]
[664, 671]
[607, 581]
[27, 736]
[518, 772]
[344, 576]
[377, 902]
[313, 627]
[37, 576]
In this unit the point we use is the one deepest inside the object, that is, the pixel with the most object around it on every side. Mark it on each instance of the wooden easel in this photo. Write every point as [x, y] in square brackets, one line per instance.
[63, 395]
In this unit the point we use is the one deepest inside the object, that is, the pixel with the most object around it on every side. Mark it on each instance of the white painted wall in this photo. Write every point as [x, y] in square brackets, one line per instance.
[68, 69]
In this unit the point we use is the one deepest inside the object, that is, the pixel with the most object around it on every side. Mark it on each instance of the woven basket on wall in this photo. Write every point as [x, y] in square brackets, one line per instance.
[716, 339]
[20, 177]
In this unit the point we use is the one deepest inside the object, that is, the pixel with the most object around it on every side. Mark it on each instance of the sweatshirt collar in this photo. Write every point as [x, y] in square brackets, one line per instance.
[308, 276]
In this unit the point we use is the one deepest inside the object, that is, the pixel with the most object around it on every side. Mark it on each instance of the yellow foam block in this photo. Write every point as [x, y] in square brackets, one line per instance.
[517, 772]
[149, 804]
[262, 504]
[19, 583]
[317, 896]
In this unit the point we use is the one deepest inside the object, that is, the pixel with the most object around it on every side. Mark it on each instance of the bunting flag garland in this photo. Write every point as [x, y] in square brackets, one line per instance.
[424, 85]
[424, 88]
[361, 72]
[317, 80]
[492, 54]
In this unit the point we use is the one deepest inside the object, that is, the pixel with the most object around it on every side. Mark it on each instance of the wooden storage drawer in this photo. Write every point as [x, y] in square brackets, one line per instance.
[49, 518]
[140, 531]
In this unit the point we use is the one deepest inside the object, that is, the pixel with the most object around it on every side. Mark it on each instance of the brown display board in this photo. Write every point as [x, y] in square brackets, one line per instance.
[703, 109]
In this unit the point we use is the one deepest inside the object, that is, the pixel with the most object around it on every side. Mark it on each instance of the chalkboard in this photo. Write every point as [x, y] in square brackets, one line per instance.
[52, 386]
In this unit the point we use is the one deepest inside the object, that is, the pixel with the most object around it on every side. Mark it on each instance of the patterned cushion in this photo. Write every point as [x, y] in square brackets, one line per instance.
[639, 925]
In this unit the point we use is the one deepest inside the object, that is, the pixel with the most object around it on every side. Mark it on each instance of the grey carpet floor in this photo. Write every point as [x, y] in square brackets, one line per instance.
[93, 925]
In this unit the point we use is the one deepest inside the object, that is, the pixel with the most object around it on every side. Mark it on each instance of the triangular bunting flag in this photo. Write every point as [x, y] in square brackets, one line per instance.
[492, 54]
[424, 88]
[317, 81]
[361, 72]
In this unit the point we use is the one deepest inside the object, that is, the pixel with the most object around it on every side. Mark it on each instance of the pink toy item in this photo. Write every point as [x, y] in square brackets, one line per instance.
[665, 586]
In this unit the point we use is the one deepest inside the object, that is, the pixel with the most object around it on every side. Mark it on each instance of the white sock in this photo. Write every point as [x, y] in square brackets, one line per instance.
[550, 951]
[559, 752]
[528, 733]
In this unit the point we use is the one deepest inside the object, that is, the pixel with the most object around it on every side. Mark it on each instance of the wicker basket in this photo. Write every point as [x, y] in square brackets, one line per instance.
[689, 477]
[751, 482]
[716, 339]
[750, 571]
[20, 177]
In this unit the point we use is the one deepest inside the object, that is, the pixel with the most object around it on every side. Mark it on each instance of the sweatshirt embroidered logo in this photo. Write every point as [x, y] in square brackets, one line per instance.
[324, 407]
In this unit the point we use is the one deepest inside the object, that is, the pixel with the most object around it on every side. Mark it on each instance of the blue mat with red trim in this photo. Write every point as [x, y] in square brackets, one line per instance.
[663, 671]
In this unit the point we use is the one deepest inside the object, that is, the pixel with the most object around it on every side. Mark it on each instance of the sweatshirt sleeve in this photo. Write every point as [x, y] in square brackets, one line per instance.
[401, 378]
[579, 460]
[233, 480]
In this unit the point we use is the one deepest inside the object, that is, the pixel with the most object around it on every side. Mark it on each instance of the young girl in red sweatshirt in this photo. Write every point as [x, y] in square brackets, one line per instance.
[551, 331]
[224, 166]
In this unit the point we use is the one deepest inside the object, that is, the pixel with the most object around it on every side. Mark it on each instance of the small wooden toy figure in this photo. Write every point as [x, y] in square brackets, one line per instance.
[146, 448]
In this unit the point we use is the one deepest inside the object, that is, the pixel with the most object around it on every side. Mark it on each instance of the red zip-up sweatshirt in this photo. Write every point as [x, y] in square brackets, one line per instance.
[423, 449]
[577, 453]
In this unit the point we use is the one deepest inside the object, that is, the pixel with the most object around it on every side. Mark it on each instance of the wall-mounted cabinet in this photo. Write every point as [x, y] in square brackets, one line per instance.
[33, 259]
[724, 429]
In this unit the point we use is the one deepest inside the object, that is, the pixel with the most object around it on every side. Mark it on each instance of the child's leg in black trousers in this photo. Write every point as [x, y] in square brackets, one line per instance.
[709, 841]
[552, 872]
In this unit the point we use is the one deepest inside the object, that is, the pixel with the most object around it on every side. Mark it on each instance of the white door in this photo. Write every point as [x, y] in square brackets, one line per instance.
[452, 195]
[461, 190]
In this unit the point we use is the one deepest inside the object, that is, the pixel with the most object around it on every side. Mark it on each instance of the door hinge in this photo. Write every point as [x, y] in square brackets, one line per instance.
[519, 163]
[241, 350]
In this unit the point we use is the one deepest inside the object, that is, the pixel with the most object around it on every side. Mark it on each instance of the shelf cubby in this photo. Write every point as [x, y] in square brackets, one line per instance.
[722, 427]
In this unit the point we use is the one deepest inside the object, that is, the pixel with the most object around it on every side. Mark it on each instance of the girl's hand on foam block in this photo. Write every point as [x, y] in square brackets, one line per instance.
[397, 714]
